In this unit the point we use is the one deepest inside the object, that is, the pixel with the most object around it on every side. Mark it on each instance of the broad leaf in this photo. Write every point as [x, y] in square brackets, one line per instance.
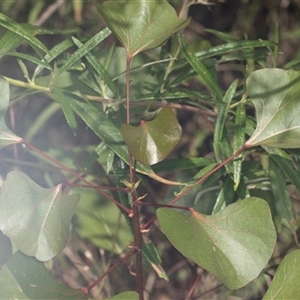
[24, 277]
[110, 134]
[141, 25]
[151, 142]
[234, 244]
[36, 219]
[275, 94]
[6, 136]
[284, 284]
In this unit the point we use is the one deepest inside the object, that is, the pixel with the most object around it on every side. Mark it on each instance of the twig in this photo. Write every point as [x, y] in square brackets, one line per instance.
[49, 12]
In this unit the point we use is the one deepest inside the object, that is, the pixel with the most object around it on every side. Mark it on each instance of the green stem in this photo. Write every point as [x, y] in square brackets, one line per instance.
[27, 85]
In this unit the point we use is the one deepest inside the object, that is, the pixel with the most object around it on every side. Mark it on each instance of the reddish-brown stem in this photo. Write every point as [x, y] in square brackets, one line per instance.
[179, 107]
[87, 289]
[218, 167]
[139, 203]
[135, 209]
[101, 187]
[190, 293]
[13, 126]
[202, 179]
[127, 210]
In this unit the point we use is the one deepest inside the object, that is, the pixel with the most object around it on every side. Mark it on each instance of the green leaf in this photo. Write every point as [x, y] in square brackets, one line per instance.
[225, 196]
[21, 31]
[99, 68]
[286, 165]
[201, 70]
[275, 94]
[279, 189]
[220, 122]
[82, 51]
[238, 142]
[141, 25]
[36, 219]
[9, 41]
[151, 142]
[7, 137]
[284, 284]
[54, 52]
[24, 277]
[64, 101]
[130, 295]
[234, 244]
[104, 128]
[29, 58]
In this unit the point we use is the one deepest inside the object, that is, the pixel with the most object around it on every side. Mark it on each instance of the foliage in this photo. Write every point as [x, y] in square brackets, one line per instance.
[223, 213]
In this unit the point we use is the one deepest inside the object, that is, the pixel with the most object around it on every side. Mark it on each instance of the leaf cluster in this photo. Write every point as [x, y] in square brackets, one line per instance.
[223, 213]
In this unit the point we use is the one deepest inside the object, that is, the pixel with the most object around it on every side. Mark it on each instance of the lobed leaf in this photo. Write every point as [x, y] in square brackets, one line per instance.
[152, 142]
[36, 219]
[104, 128]
[275, 94]
[24, 277]
[141, 25]
[234, 244]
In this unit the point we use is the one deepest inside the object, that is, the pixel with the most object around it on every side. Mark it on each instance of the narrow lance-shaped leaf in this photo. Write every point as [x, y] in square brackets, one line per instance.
[279, 189]
[7, 137]
[275, 94]
[88, 46]
[141, 25]
[201, 70]
[238, 142]
[234, 244]
[151, 142]
[18, 29]
[99, 68]
[36, 219]
[64, 101]
[220, 122]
